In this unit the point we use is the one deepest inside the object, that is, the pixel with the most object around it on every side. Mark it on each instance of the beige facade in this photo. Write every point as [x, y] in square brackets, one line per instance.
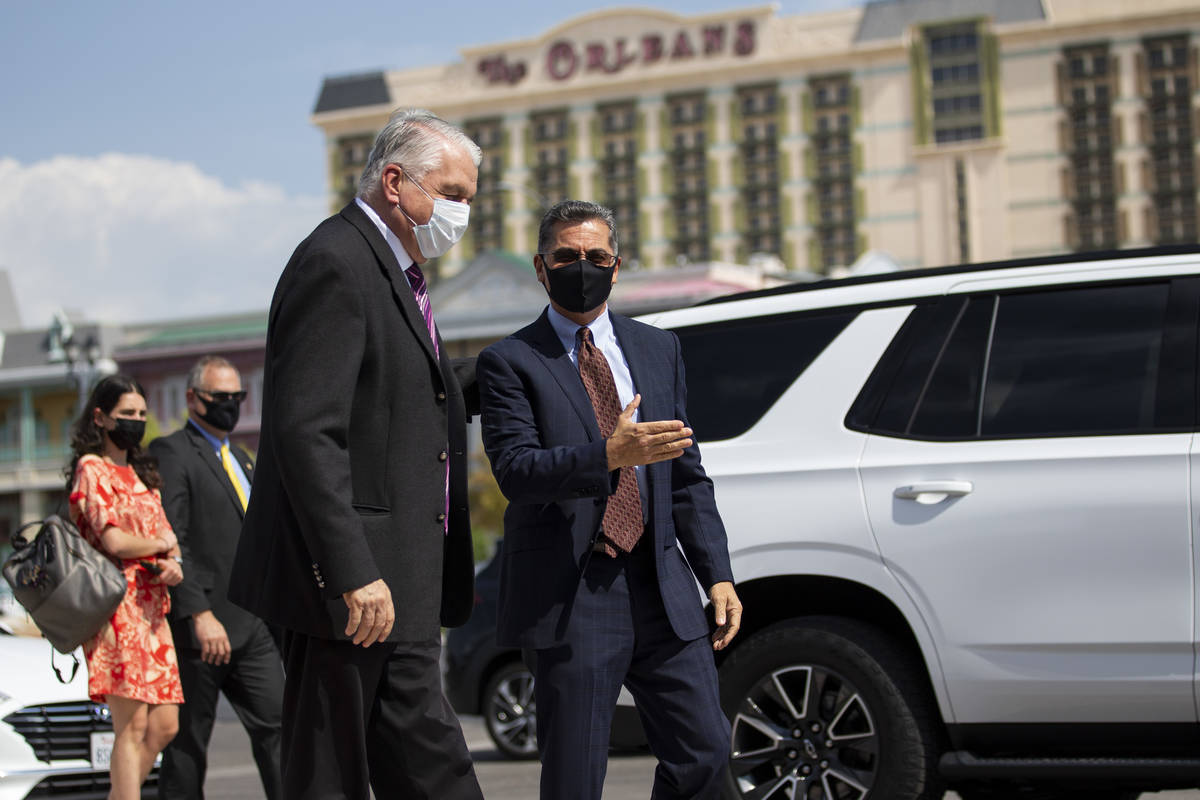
[1021, 127]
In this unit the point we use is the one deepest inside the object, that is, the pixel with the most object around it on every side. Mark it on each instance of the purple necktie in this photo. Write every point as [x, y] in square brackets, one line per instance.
[416, 279]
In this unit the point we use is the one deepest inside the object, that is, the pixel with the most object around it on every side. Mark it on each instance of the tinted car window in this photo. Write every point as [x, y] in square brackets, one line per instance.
[1054, 362]
[737, 370]
[1077, 361]
[949, 404]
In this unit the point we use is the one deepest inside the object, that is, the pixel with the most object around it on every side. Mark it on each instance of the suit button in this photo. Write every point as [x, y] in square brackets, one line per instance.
[442, 456]
[441, 396]
[441, 517]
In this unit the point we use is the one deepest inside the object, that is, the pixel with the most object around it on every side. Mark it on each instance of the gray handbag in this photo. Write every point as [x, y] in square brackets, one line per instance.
[69, 588]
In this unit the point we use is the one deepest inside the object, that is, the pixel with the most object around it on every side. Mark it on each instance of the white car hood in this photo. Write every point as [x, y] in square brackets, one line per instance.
[27, 679]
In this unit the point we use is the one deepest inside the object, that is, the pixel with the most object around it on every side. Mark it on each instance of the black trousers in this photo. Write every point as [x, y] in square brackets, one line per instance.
[356, 717]
[619, 634]
[253, 683]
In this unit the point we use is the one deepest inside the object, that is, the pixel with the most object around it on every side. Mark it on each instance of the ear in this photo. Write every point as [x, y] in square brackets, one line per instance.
[539, 267]
[616, 269]
[98, 417]
[390, 181]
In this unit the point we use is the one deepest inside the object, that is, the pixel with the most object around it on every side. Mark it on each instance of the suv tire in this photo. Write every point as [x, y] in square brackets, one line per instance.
[509, 711]
[794, 689]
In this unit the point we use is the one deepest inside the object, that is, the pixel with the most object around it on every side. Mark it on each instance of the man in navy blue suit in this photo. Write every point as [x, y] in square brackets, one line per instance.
[611, 521]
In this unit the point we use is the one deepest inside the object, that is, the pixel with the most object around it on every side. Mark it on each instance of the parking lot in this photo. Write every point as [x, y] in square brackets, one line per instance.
[232, 775]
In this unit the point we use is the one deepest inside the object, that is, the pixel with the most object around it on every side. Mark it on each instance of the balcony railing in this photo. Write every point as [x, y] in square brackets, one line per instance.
[43, 455]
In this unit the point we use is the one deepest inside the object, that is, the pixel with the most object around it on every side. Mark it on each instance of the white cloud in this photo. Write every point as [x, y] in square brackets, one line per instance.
[125, 237]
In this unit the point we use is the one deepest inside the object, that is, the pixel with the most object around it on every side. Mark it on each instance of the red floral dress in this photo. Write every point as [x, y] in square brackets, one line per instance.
[133, 655]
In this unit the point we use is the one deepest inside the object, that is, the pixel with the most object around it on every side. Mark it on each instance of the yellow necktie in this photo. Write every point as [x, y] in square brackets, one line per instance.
[227, 462]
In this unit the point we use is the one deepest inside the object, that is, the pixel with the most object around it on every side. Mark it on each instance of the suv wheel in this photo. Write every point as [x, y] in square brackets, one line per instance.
[509, 711]
[824, 708]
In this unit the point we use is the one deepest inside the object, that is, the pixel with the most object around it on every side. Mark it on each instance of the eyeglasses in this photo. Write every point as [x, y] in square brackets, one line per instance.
[565, 255]
[220, 397]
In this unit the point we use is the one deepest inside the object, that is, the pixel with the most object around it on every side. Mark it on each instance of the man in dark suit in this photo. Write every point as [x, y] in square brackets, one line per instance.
[220, 647]
[584, 422]
[357, 541]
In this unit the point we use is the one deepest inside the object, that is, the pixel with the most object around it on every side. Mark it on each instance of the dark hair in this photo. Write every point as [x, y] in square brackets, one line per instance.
[88, 438]
[575, 211]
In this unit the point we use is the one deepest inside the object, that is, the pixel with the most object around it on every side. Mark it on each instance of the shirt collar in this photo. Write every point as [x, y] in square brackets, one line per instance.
[392, 240]
[216, 443]
[601, 328]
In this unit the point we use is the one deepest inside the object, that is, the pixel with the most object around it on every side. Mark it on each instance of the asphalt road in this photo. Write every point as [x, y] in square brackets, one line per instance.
[232, 776]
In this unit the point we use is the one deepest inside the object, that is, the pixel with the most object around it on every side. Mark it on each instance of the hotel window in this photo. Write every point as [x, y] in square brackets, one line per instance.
[956, 68]
[487, 210]
[351, 157]
[618, 171]
[689, 163]
[1087, 83]
[759, 149]
[549, 133]
[1167, 65]
[832, 143]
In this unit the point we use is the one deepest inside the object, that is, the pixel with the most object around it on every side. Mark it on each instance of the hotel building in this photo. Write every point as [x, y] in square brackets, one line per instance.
[937, 131]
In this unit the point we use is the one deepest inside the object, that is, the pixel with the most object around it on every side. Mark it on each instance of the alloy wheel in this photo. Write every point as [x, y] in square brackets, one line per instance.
[804, 733]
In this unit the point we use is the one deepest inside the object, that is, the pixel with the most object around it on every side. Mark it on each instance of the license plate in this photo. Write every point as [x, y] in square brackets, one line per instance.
[102, 747]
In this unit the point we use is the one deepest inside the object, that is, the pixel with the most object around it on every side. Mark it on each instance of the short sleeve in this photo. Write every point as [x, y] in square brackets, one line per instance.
[92, 499]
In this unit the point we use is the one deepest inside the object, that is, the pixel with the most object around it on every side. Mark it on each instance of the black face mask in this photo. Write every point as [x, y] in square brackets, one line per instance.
[223, 415]
[580, 287]
[128, 433]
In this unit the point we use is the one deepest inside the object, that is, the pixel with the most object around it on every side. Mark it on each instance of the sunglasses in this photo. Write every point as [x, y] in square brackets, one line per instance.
[220, 397]
[565, 255]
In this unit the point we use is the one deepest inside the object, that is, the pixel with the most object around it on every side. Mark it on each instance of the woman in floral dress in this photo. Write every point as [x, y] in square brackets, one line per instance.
[116, 504]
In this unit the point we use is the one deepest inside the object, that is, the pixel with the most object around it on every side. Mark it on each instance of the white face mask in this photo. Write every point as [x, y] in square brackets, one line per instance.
[445, 227]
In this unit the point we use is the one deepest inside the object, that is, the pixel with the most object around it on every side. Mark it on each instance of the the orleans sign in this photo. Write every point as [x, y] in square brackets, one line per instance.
[564, 58]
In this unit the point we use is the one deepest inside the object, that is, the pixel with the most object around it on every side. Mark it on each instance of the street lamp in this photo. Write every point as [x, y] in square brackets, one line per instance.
[81, 361]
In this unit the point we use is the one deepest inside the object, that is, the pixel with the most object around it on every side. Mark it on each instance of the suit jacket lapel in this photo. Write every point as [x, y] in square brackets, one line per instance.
[646, 376]
[549, 348]
[205, 453]
[395, 277]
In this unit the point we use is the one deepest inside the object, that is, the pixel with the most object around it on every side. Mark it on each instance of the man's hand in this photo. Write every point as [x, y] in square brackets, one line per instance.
[371, 613]
[634, 444]
[728, 612]
[214, 641]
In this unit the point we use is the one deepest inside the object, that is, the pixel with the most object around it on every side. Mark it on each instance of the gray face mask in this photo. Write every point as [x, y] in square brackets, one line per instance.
[445, 227]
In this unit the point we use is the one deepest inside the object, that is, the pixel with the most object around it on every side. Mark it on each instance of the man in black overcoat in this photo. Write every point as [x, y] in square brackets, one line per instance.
[357, 541]
[221, 648]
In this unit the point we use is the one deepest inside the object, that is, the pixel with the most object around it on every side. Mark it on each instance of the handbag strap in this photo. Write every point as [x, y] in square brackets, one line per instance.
[58, 673]
[20, 541]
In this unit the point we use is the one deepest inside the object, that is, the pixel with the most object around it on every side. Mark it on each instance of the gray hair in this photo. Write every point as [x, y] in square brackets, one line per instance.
[412, 138]
[575, 211]
[196, 373]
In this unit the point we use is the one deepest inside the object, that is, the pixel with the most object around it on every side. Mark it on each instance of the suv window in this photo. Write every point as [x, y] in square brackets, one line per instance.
[737, 370]
[1056, 362]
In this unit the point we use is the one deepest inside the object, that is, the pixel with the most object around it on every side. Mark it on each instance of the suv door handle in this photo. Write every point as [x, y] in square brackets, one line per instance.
[930, 493]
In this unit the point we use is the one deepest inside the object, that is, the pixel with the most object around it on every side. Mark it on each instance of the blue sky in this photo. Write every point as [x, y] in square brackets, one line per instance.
[148, 147]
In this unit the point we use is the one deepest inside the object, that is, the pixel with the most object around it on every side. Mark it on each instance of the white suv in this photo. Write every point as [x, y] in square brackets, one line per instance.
[961, 510]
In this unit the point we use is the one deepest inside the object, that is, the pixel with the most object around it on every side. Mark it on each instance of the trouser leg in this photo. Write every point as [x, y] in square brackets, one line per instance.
[328, 695]
[254, 687]
[416, 747]
[675, 686]
[577, 684]
[185, 759]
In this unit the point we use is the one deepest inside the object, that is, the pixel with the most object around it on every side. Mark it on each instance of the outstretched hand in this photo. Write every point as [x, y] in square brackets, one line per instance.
[634, 444]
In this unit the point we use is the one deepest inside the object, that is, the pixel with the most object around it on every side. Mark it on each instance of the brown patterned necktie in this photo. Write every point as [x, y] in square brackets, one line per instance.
[623, 516]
